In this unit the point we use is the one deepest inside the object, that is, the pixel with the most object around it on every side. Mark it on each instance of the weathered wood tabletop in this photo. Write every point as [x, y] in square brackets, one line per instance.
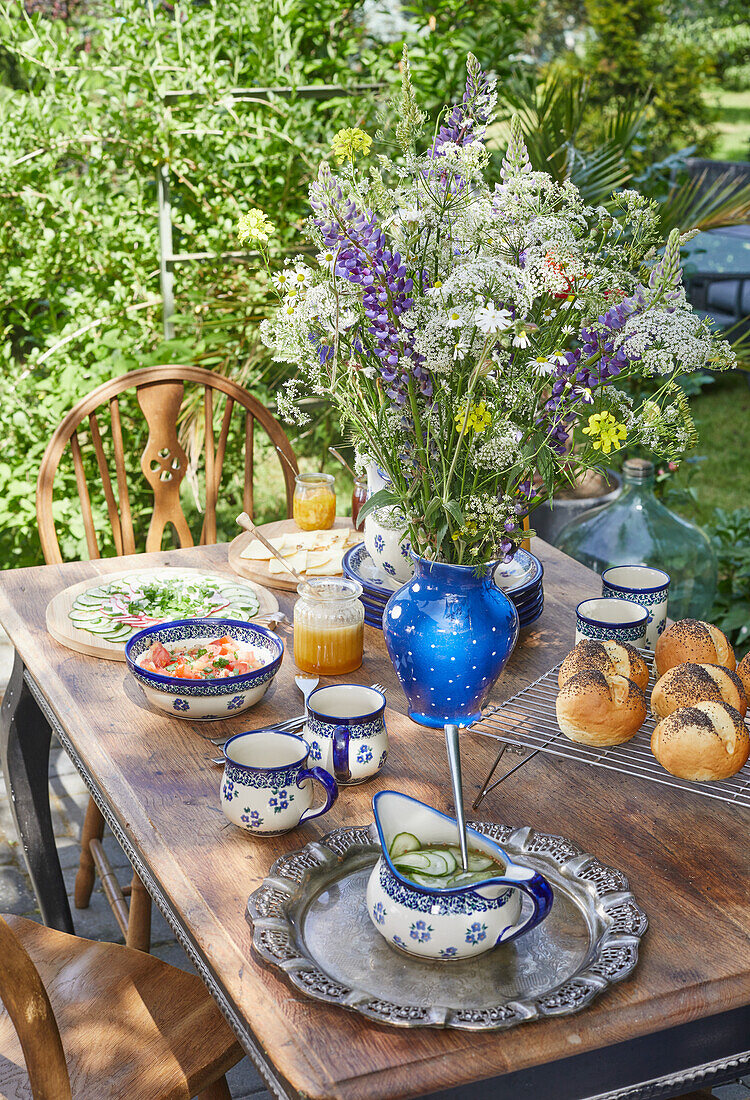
[686, 857]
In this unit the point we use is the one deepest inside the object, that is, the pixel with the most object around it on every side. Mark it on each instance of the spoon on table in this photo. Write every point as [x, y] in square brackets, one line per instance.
[454, 760]
[244, 521]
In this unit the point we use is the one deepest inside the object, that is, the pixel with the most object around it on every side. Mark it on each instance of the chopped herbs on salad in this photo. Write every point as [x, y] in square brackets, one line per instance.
[119, 609]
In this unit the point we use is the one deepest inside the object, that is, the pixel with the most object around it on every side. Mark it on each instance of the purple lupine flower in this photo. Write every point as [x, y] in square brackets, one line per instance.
[363, 257]
[467, 120]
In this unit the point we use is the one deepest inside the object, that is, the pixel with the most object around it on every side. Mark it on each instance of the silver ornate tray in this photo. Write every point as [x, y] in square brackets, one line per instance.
[310, 920]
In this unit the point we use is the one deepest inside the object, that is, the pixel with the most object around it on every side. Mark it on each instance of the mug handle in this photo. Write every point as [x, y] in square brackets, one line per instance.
[329, 785]
[341, 754]
[537, 888]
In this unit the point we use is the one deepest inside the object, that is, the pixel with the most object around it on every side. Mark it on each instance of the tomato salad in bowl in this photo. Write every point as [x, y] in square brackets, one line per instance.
[204, 669]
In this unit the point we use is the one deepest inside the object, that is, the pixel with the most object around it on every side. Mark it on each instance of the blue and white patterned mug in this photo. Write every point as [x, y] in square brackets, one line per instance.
[266, 788]
[621, 620]
[643, 585]
[346, 731]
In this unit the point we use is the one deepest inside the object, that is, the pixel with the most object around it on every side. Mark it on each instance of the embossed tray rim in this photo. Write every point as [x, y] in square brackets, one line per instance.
[612, 958]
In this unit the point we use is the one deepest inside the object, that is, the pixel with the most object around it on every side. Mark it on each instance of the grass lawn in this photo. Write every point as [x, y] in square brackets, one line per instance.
[721, 478]
[733, 142]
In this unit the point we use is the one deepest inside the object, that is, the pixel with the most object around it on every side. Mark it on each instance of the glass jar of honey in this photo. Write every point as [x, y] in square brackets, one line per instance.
[329, 624]
[314, 502]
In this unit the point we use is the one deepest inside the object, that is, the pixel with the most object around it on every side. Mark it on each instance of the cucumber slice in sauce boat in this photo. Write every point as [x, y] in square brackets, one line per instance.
[403, 842]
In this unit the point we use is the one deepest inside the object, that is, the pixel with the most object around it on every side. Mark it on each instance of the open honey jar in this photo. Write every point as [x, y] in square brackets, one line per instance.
[314, 502]
[329, 624]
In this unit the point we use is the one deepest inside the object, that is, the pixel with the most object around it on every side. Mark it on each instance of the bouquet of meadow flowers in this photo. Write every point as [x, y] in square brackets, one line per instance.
[474, 336]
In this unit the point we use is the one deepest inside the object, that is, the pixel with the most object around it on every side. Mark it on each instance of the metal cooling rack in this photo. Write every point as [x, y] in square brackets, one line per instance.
[527, 721]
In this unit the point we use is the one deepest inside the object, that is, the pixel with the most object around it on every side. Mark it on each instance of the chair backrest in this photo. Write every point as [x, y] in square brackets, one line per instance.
[29, 1008]
[160, 392]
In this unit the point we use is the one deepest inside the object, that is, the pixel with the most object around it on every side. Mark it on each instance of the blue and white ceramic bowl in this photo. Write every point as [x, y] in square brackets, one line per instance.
[205, 700]
[448, 924]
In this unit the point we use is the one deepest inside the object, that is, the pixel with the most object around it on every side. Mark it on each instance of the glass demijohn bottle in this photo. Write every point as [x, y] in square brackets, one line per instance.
[637, 529]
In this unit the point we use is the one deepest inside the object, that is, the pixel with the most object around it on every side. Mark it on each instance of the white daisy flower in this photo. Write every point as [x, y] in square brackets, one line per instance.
[455, 320]
[282, 280]
[301, 276]
[459, 352]
[327, 259]
[559, 358]
[490, 319]
[289, 308]
[542, 365]
[521, 339]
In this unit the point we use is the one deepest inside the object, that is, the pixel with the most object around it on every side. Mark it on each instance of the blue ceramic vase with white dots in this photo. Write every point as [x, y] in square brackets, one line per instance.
[449, 633]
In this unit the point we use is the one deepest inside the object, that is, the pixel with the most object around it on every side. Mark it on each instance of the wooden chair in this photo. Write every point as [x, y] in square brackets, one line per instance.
[97, 1021]
[160, 393]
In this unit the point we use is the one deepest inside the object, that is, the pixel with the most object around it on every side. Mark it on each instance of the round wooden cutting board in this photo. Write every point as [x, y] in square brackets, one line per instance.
[62, 629]
[258, 570]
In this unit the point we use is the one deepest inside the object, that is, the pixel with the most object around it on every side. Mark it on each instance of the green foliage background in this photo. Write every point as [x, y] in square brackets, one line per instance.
[83, 128]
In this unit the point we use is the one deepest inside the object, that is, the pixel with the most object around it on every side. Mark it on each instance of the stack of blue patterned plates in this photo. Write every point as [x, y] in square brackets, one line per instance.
[521, 580]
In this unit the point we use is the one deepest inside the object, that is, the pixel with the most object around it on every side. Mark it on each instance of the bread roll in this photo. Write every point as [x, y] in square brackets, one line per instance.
[686, 685]
[610, 657]
[743, 671]
[690, 640]
[707, 741]
[595, 709]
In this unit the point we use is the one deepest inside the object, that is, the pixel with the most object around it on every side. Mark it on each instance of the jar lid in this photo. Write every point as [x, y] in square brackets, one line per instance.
[638, 469]
[330, 589]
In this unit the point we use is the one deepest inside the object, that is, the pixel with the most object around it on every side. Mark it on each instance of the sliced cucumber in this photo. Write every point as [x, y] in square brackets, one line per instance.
[427, 863]
[412, 861]
[447, 857]
[432, 881]
[404, 842]
[481, 862]
[467, 878]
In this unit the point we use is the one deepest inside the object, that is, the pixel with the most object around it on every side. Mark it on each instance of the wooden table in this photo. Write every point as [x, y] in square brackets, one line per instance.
[680, 1021]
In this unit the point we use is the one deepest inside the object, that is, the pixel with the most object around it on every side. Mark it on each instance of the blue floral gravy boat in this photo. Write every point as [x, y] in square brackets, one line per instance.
[457, 923]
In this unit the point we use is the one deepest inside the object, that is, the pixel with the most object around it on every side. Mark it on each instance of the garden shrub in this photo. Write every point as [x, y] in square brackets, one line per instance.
[633, 49]
[83, 128]
[730, 534]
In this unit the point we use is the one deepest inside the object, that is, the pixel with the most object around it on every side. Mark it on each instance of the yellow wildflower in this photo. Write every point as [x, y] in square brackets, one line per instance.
[349, 141]
[478, 420]
[605, 432]
[254, 226]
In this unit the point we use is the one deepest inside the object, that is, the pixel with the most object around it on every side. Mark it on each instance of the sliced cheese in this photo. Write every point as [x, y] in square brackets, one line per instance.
[296, 561]
[323, 563]
[256, 551]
